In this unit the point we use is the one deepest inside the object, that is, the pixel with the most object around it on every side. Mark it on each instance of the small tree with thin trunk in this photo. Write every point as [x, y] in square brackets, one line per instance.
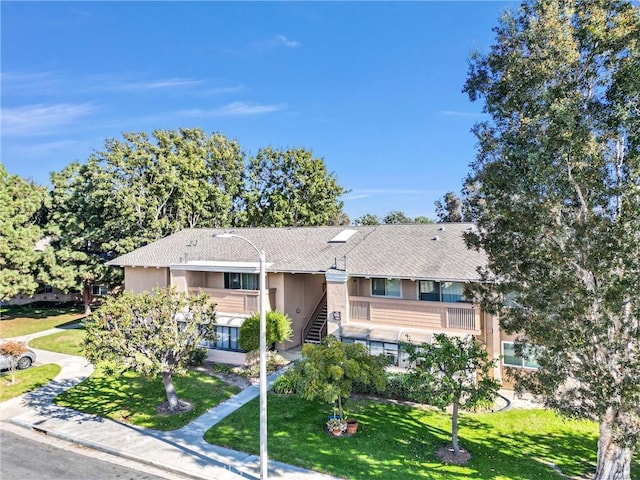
[329, 370]
[452, 371]
[13, 350]
[152, 333]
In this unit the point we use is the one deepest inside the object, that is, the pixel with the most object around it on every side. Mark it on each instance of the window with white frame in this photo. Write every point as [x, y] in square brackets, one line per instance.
[386, 287]
[241, 281]
[432, 291]
[511, 358]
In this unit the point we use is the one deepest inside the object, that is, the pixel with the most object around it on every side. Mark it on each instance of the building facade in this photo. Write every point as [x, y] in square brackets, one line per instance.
[375, 285]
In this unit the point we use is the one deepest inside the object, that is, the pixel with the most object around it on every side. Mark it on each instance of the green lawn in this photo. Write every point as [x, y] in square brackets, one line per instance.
[69, 342]
[27, 380]
[133, 398]
[399, 442]
[18, 321]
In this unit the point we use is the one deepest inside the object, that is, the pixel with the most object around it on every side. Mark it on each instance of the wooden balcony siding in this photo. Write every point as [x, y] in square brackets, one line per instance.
[236, 301]
[459, 317]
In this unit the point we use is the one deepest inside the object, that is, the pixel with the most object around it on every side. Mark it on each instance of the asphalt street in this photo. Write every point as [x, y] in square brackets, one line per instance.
[27, 457]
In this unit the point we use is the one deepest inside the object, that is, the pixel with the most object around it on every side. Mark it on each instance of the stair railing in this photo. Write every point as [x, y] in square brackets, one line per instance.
[316, 311]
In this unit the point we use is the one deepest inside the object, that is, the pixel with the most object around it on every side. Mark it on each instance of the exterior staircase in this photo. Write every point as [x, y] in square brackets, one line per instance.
[316, 329]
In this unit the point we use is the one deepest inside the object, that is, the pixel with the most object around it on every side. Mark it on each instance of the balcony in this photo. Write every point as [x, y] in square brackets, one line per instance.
[236, 301]
[439, 316]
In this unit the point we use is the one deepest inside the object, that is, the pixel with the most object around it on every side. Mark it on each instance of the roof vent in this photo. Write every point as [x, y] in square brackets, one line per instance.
[436, 238]
[343, 236]
[441, 228]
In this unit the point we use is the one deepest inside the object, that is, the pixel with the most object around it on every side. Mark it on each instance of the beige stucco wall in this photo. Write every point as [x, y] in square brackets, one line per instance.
[298, 297]
[337, 299]
[179, 280]
[141, 279]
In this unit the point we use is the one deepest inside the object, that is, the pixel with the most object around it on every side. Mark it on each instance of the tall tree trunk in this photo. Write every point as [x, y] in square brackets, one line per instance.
[614, 461]
[454, 428]
[172, 396]
[86, 296]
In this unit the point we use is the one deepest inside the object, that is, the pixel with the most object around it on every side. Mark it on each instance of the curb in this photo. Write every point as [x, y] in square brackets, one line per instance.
[117, 453]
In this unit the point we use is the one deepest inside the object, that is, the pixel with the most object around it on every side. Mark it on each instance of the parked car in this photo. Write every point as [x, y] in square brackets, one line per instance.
[24, 361]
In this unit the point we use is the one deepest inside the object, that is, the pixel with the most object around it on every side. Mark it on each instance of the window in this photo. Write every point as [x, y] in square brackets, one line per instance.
[511, 359]
[388, 349]
[386, 287]
[99, 290]
[227, 338]
[432, 291]
[241, 281]
[429, 291]
[48, 289]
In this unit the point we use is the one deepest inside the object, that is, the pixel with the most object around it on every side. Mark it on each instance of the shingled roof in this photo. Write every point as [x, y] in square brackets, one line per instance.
[429, 251]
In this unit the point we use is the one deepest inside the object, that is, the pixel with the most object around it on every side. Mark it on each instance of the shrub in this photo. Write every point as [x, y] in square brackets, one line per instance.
[287, 383]
[278, 330]
[198, 356]
[396, 388]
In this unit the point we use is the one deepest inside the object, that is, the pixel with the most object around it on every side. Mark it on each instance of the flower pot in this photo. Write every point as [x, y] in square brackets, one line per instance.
[336, 432]
[352, 426]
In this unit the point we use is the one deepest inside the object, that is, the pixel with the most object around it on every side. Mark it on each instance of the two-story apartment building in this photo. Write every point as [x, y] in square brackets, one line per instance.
[376, 285]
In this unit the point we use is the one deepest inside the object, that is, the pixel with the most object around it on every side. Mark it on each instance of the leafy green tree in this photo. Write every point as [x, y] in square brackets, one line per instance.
[451, 371]
[368, 219]
[422, 220]
[329, 370]
[397, 217]
[290, 188]
[134, 192]
[449, 209]
[21, 206]
[81, 232]
[152, 333]
[557, 201]
[278, 330]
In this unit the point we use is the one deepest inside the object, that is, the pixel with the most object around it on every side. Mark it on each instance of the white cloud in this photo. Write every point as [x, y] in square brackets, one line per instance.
[457, 113]
[158, 84]
[29, 82]
[276, 42]
[30, 120]
[355, 197]
[235, 109]
[285, 42]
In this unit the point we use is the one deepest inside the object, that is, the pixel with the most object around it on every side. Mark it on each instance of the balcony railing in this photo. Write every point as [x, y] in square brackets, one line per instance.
[236, 301]
[415, 314]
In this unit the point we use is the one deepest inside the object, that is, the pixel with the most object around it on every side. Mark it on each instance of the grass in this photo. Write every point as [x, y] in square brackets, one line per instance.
[133, 398]
[399, 442]
[18, 321]
[69, 342]
[27, 380]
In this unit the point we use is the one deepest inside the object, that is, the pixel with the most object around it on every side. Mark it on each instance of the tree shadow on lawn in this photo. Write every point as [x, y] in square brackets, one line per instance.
[11, 313]
[134, 398]
[405, 439]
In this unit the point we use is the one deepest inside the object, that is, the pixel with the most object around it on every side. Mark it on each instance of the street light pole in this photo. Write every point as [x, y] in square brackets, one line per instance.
[263, 354]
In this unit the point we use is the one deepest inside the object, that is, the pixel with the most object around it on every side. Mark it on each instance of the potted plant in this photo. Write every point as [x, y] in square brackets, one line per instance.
[336, 425]
[352, 425]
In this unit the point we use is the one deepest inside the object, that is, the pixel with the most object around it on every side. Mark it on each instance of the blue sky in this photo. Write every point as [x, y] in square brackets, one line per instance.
[373, 88]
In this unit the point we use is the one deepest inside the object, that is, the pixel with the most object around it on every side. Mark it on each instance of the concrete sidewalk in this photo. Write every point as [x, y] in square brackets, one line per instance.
[182, 451]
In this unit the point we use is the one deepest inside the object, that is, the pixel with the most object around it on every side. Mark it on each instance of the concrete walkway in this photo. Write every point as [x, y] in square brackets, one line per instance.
[182, 451]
